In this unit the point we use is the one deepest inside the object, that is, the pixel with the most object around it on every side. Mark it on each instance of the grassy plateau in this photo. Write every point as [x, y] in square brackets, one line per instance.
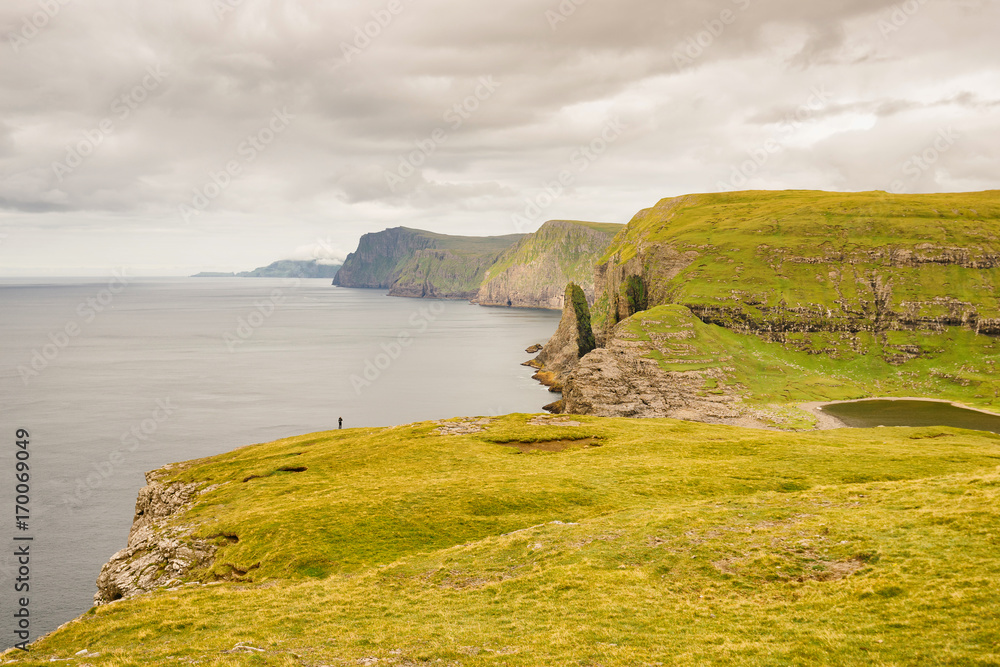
[545, 541]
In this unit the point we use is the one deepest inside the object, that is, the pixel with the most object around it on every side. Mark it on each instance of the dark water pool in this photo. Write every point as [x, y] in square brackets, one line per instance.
[869, 414]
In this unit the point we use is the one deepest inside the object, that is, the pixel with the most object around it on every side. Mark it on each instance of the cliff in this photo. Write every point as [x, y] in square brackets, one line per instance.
[159, 552]
[397, 255]
[782, 263]
[534, 271]
[442, 274]
[850, 295]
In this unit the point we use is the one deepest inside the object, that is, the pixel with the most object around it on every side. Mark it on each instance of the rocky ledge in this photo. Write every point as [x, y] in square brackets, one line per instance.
[159, 552]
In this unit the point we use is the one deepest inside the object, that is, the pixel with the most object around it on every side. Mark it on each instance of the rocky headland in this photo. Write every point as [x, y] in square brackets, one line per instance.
[774, 298]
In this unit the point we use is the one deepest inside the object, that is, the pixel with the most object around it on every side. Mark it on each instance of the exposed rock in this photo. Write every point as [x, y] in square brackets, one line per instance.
[535, 349]
[573, 339]
[462, 426]
[157, 553]
[625, 379]
[553, 421]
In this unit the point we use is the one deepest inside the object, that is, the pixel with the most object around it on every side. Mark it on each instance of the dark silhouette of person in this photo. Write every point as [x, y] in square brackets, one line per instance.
[340, 422]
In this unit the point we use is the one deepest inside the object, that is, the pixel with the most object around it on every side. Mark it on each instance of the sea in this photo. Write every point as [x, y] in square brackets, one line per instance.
[105, 379]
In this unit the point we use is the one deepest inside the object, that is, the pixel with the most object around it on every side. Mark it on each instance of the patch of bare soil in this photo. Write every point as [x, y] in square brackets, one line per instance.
[552, 445]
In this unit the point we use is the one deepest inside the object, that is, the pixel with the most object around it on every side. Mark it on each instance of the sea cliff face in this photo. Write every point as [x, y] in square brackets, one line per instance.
[380, 256]
[534, 272]
[416, 263]
[442, 274]
[157, 553]
[795, 296]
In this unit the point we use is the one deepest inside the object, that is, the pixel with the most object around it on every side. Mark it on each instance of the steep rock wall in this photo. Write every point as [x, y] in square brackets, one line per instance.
[533, 273]
[157, 553]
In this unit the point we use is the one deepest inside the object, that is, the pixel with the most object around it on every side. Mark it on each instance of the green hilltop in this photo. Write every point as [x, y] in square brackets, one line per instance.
[528, 541]
[805, 295]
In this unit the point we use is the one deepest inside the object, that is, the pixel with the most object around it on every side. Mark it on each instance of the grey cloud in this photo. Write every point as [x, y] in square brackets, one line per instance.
[354, 121]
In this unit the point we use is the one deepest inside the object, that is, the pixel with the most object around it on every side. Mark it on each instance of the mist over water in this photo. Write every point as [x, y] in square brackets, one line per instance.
[168, 370]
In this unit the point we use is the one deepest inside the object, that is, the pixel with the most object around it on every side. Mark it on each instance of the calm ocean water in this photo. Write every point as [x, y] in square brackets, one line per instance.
[112, 380]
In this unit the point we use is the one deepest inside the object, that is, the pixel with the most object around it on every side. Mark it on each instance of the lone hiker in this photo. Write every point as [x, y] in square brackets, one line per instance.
[340, 422]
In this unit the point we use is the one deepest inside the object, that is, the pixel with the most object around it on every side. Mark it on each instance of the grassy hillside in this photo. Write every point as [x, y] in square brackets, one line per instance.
[961, 368]
[447, 274]
[563, 239]
[535, 271]
[866, 293]
[611, 542]
[818, 261]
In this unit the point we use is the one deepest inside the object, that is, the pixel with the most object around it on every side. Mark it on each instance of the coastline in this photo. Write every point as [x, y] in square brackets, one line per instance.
[826, 421]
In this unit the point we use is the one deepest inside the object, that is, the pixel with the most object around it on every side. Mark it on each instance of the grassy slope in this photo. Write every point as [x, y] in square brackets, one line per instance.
[782, 261]
[960, 367]
[457, 272]
[680, 544]
[451, 273]
[556, 239]
[744, 238]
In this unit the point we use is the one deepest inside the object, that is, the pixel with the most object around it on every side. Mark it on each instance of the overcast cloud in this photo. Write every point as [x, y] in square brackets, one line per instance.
[174, 136]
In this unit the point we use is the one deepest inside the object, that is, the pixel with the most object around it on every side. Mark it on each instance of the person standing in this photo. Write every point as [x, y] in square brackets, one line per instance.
[340, 422]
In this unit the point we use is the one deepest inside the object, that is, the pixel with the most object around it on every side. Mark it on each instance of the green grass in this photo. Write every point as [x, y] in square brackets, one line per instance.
[818, 260]
[560, 252]
[956, 365]
[677, 543]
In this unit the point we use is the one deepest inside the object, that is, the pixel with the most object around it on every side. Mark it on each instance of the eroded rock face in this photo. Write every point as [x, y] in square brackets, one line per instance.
[619, 381]
[574, 337]
[157, 553]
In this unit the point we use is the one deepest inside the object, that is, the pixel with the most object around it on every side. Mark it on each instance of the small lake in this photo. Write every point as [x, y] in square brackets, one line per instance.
[870, 414]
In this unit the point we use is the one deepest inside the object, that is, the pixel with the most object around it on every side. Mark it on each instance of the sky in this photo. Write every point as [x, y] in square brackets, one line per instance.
[169, 137]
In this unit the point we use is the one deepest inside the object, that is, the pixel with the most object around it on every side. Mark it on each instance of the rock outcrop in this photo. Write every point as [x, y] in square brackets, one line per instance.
[533, 272]
[893, 279]
[158, 553]
[572, 340]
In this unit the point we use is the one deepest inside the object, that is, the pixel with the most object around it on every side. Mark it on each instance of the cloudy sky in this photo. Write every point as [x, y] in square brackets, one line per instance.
[174, 136]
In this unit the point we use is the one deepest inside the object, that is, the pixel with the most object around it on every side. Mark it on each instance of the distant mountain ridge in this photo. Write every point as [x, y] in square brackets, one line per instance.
[285, 268]
[418, 263]
[519, 270]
